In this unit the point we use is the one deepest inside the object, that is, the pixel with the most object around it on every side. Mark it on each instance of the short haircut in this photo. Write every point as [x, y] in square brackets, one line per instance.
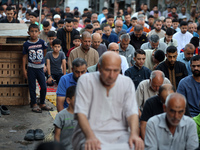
[33, 26]
[153, 74]
[104, 8]
[95, 21]
[171, 49]
[33, 14]
[175, 20]
[125, 37]
[183, 23]
[87, 20]
[110, 16]
[167, 18]
[106, 25]
[86, 34]
[174, 7]
[89, 26]
[85, 9]
[156, 12]
[97, 29]
[159, 55]
[61, 21]
[78, 62]
[51, 34]
[75, 20]
[190, 46]
[138, 28]
[150, 16]
[71, 91]
[46, 24]
[162, 88]
[157, 21]
[84, 15]
[77, 37]
[154, 38]
[76, 16]
[139, 51]
[133, 18]
[24, 9]
[169, 31]
[68, 20]
[195, 58]
[195, 41]
[172, 95]
[126, 14]
[8, 8]
[56, 41]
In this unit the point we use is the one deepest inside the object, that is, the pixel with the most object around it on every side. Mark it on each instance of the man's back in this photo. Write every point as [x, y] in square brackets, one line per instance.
[137, 42]
[161, 46]
[161, 34]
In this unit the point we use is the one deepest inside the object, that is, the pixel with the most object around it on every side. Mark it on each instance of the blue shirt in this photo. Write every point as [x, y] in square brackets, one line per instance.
[112, 38]
[137, 75]
[129, 29]
[181, 58]
[100, 16]
[35, 51]
[190, 89]
[65, 82]
[195, 34]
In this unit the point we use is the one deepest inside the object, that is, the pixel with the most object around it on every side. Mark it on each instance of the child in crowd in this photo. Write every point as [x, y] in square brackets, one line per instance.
[75, 25]
[26, 19]
[54, 60]
[64, 122]
[51, 36]
[76, 42]
[60, 24]
[168, 38]
[35, 50]
[33, 19]
[44, 32]
[96, 24]
[175, 25]
[133, 22]
[56, 18]
[111, 37]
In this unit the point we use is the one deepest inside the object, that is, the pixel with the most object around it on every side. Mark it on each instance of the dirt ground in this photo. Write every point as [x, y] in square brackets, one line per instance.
[13, 127]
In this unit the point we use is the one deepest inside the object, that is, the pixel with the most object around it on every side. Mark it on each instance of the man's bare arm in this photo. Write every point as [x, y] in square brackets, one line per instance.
[143, 128]
[60, 103]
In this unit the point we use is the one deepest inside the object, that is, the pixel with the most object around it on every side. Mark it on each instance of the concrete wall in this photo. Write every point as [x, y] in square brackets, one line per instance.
[81, 4]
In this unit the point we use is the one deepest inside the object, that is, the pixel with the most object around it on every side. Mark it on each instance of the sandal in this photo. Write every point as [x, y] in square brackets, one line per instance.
[37, 109]
[39, 135]
[29, 135]
[47, 108]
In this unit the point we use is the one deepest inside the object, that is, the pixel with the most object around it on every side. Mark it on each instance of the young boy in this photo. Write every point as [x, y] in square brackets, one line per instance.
[75, 25]
[33, 19]
[175, 25]
[44, 32]
[51, 36]
[60, 24]
[133, 22]
[111, 37]
[35, 49]
[64, 122]
[76, 42]
[95, 24]
[54, 60]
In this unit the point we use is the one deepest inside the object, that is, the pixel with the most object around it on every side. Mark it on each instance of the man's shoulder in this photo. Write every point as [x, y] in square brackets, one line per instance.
[152, 100]
[157, 119]
[66, 77]
[61, 30]
[186, 80]
[180, 64]
[144, 83]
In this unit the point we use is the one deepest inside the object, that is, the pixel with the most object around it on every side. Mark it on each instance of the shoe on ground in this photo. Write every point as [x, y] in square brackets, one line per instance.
[4, 110]
[39, 135]
[30, 135]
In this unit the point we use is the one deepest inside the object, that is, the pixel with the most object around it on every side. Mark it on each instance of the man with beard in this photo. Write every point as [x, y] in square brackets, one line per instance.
[190, 86]
[157, 29]
[84, 51]
[173, 70]
[182, 37]
[79, 67]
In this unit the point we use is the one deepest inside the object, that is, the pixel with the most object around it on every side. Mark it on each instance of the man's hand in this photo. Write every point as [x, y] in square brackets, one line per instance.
[25, 74]
[92, 144]
[137, 141]
[45, 69]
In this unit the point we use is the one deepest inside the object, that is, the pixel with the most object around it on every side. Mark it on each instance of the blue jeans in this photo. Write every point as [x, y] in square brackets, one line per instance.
[33, 74]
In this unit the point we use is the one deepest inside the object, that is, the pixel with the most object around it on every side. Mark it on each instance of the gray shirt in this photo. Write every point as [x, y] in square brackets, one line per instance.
[55, 63]
[161, 34]
[129, 54]
[101, 49]
[65, 121]
[161, 46]
[158, 135]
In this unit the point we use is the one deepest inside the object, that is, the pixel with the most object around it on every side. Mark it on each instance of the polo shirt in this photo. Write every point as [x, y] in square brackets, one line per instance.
[65, 82]
[137, 75]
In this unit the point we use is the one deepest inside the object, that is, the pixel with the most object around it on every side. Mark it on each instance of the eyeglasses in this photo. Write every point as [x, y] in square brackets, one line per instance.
[118, 26]
[117, 50]
[106, 31]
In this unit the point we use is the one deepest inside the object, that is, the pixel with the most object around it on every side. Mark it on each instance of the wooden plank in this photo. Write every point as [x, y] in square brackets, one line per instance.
[9, 100]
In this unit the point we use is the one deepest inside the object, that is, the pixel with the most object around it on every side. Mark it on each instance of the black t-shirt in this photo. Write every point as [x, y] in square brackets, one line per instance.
[137, 42]
[153, 106]
[5, 20]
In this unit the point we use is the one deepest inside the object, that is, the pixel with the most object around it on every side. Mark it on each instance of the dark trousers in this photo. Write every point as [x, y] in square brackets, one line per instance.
[33, 74]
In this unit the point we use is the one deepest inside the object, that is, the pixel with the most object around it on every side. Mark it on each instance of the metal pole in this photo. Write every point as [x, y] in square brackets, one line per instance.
[17, 12]
[40, 13]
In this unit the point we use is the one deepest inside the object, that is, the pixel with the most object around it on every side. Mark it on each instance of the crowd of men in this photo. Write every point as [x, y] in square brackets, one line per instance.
[139, 70]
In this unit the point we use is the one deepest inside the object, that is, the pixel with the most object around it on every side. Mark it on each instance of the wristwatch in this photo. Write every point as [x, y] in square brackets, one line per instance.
[49, 76]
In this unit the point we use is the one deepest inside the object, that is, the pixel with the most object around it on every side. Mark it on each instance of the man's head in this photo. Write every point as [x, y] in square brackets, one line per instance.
[96, 24]
[133, 21]
[158, 25]
[156, 14]
[68, 24]
[70, 96]
[173, 9]
[127, 18]
[195, 27]
[33, 17]
[107, 30]
[195, 65]
[67, 9]
[79, 67]
[46, 27]
[51, 36]
[86, 40]
[169, 33]
[96, 40]
[156, 80]
[113, 47]
[56, 18]
[33, 31]
[150, 20]
[183, 10]
[56, 45]
[118, 26]
[168, 22]
[9, 13]
[139, 58]
[145, 7]
[158, 56]
[89, 28]
[99, 30]
[189, 51]
[195, 41]
[183, 27]
[61, 23]
[104, 10]
[138, 29]
[94, 16]
[174, 107]
[87, 21]
[175, 23]
[109, 67]
[164, 91]
[171, 54]
[124, 41]
[110, 19]
[191, 27]
[77, 40]
[154, 41]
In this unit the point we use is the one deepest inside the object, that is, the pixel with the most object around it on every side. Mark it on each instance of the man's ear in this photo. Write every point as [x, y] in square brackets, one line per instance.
[134, 58]
[68, 100]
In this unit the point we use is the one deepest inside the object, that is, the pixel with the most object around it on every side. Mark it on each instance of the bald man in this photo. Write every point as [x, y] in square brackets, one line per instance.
[172, 130]
[104, 113]
[115, 48]
[118, 28]
[84, 51]
[96, 44]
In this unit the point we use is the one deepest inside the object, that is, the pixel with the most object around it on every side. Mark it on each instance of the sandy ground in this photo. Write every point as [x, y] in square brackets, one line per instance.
[13, 127]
